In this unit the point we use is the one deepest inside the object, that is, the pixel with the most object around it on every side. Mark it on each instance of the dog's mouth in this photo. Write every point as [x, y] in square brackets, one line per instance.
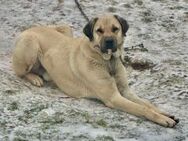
[106, 55]
[108, 47]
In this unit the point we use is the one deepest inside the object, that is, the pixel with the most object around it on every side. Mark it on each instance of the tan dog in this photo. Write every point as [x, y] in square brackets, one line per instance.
[84, 67]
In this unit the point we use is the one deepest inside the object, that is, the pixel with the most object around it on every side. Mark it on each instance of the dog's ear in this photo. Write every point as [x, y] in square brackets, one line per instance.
[88, 29]
[123, 23]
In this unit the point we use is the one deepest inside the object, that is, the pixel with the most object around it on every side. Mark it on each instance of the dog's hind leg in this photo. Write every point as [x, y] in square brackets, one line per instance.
[64, 29]
[25, 59]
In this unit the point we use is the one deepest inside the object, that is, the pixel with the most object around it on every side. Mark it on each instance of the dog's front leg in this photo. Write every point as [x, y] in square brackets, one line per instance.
[119, 102]
[122, 84]
[107, 91]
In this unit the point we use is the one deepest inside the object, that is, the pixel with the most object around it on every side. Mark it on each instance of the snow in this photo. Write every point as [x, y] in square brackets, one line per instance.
[31, 113]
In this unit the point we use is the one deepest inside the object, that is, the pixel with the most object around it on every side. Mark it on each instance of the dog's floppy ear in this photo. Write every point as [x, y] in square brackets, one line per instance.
[123, 23]
[88, 29]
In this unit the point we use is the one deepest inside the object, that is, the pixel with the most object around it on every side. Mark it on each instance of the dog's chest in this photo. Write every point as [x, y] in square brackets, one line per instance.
[111, 66]
[108, 65]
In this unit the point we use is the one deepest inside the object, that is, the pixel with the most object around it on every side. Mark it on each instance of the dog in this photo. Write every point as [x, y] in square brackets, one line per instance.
[85, 67]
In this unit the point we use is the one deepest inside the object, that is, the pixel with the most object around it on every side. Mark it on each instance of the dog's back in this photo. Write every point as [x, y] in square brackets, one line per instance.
[33, 43]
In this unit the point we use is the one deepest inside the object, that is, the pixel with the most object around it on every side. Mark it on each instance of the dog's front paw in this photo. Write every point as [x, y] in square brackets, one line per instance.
[171, 116]
[174, 118]
[168, 122]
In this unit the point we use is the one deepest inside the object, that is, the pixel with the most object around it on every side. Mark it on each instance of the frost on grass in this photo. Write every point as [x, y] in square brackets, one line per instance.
[28, 113]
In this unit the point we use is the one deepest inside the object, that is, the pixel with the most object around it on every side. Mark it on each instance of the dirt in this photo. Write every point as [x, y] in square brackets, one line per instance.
[28, 113]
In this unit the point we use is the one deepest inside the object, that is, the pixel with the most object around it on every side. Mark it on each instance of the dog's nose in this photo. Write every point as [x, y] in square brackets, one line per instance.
[109, 43]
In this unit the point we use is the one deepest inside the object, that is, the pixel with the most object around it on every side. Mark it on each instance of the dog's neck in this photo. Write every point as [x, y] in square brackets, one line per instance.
[111, 65]
[114, 60]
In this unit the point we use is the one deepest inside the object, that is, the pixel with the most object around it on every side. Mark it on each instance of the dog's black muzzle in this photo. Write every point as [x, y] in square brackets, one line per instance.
[108, 43]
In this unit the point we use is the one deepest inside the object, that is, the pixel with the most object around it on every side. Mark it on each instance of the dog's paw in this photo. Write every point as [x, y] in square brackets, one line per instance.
[175, 119]
[171, 116]
[34, 79]
[168, 122]
[37, 81]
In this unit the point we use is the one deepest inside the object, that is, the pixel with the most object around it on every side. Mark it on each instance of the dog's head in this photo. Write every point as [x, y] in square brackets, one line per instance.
[106, 33]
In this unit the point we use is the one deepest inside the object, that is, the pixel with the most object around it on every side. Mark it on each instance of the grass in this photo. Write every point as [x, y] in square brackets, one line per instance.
[13, 106]
[101, 122]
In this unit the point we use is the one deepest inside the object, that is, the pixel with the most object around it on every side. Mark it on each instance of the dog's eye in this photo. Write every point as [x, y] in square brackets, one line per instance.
[115, 29]
[100, 31]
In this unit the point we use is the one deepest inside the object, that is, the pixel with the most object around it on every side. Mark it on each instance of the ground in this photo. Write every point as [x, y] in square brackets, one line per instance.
[29, 113]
